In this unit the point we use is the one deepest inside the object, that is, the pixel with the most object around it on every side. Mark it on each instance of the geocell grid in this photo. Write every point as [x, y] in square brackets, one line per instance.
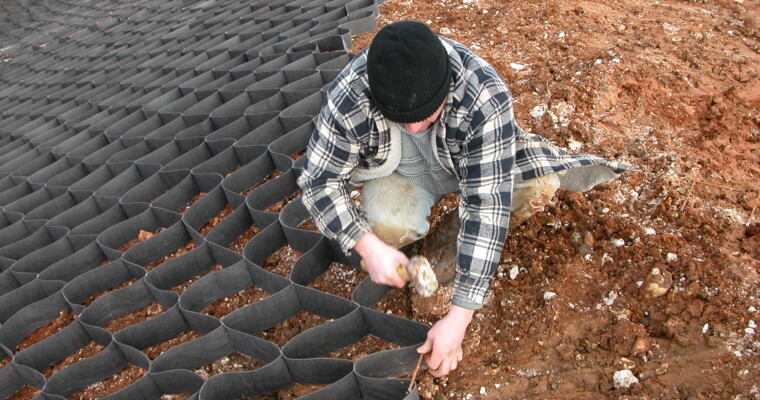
[115, 116]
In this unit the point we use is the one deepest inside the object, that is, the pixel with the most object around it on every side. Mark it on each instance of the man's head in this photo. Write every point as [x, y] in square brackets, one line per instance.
[409, 72]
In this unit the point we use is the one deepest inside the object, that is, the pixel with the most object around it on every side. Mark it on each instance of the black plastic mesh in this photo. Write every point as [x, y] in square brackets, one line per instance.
[179, 126]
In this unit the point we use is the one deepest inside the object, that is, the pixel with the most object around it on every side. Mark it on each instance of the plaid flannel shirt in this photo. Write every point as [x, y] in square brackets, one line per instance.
[480, 143]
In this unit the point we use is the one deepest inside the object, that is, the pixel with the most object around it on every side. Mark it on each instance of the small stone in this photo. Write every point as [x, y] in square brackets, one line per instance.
[445, 31]
[640, 346]
[658, 282]
[513, 272]
[626, 363]
[624, 379]
[517, 67]
[549, 295]
[662, 369]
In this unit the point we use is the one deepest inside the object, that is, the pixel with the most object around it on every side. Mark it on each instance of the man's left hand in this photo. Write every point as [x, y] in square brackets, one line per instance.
[445, 341]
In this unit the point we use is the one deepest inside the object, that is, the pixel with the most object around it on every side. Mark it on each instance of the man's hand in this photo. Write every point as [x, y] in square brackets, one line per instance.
[445, 341]
[381, 260]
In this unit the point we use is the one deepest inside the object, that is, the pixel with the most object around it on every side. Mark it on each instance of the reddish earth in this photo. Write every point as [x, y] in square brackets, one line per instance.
[671, 86]
[657, 272]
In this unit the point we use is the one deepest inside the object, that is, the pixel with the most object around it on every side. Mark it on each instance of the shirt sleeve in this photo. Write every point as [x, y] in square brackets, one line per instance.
[331, 156]
[487, 172]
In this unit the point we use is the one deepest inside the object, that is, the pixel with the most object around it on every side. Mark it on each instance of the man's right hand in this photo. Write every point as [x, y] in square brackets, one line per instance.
[382, 261]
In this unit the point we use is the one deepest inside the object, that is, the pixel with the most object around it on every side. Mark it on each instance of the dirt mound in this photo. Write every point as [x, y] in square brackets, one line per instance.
[671, 86]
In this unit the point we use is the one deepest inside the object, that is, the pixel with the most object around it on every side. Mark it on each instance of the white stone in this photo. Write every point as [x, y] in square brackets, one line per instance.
[539, 111]
[445, 31]
[650, 231]
[513, 272]
[705, 328]
[482, 390]
[624, 379]
[517, 67]
[574, 145]
[670, 257]
[618, 242]
[549, 295]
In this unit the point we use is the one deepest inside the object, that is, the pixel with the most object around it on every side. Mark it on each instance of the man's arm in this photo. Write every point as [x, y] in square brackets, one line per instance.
[331, 156]
[487, 178]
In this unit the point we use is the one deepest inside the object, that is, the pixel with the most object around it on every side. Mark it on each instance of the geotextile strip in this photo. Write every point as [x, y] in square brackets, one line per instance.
[151, 228]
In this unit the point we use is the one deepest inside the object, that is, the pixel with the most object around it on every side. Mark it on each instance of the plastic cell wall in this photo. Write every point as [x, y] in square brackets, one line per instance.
[139, 142]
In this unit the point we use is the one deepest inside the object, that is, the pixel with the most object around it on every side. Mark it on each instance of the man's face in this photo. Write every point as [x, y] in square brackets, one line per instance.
[420, 126]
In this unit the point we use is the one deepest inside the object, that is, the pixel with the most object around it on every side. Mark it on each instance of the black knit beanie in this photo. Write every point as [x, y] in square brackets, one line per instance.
[409, 71]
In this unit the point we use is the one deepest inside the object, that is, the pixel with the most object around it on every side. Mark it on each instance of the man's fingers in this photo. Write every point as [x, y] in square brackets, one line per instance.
[425, 348]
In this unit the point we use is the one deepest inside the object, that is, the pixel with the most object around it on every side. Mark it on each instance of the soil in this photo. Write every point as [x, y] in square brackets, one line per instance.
[657, 272]
[672, 87]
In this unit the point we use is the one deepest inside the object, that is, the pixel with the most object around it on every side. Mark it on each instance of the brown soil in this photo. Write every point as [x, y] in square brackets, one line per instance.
[671, 86]
[239, 243]
[119, 381]
[65, 317]
[234, 362]
[191, 202]
[151, 310]
[275, 174]
[277, 207]
[228, 304]
[184, 337]
[288, 329]
[88, 350]
[206, 228]
[281, 261]
[182, 250]
[96, 296]
[180, 288]
[366, 346]
[339, 280]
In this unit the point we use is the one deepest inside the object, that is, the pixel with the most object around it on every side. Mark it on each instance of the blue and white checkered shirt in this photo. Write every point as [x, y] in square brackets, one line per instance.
[479, 142]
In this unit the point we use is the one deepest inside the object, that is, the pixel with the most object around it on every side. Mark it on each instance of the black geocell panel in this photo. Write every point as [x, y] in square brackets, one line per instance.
[115, 116]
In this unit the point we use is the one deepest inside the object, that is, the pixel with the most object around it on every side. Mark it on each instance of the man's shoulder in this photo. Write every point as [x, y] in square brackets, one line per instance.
[351, 83]
[475, 74]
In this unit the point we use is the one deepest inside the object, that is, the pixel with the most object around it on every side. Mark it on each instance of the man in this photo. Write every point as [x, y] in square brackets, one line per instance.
[414, 117]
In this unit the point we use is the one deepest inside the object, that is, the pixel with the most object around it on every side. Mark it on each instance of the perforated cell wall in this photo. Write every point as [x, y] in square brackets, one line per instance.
[152, 239]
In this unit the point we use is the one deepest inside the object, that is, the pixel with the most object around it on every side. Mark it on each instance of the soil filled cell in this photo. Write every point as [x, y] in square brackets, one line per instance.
[339, 280]
[151, 310]
[228, 304]
[65, 318]
[286, 330]
[119, 381]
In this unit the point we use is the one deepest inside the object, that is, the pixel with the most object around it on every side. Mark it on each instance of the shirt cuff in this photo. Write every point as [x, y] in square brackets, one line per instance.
[351, 234]
[464, 302]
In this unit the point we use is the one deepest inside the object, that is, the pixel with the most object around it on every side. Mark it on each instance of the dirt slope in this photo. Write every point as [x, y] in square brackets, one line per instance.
[671, 86]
